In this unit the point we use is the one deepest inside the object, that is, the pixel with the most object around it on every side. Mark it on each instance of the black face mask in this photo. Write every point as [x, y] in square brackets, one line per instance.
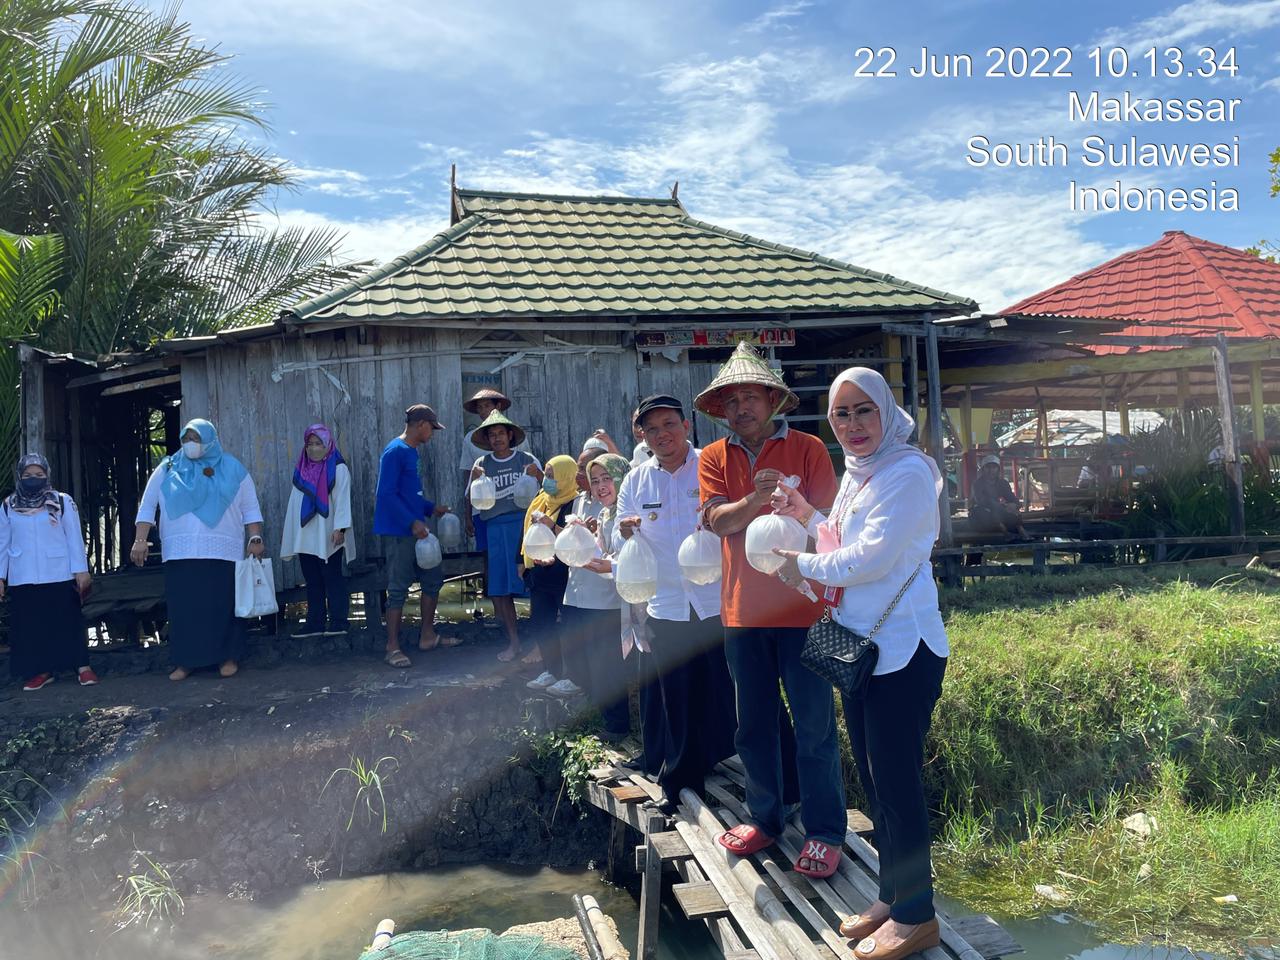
[32, 485]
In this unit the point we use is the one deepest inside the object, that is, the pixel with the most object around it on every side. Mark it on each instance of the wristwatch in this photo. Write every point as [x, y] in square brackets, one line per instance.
[255, 539]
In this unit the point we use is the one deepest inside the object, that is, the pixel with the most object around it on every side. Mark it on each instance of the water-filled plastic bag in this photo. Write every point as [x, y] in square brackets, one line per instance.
[427, 552]
[539, 542]
[635, 572]
[769, 532]
[699, 557]
[525, 489]
[449, 530]
[575, 546]
[483, 493]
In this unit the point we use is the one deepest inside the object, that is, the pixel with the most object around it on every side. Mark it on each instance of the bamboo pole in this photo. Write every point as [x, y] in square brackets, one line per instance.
[762, 938]
[743, 872]
[610, 946]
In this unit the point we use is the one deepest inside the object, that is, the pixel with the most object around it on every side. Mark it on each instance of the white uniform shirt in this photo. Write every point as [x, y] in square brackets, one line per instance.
[587, 589]
[187, 538]
[316, 538]
[38, 548]
[667, 504]
[888, 530]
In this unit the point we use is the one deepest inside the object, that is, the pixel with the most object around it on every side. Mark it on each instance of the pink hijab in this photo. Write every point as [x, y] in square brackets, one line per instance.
[896, 423]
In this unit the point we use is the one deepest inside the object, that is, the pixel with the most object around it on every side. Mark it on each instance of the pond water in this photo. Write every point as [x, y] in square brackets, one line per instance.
[334, 920]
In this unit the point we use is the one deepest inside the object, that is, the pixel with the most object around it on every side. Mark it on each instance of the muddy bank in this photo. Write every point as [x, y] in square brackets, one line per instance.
[327, 764]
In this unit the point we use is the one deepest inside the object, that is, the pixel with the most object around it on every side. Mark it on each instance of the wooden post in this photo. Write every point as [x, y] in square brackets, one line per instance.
[1230, 440]
[650, 892]
[912, 389]
[966, 418]
[1184, 389]
[893, 372]
[1256, 402]
[1123, 406]
[1104, 408]
[935, 431]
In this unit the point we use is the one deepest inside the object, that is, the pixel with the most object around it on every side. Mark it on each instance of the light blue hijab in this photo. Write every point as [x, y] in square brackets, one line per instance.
[205, 487]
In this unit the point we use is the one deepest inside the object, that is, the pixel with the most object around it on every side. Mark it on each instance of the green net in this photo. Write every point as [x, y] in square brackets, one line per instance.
[468, 945]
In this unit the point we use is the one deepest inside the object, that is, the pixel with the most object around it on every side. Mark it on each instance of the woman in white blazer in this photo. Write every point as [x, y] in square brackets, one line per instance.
[45, 573]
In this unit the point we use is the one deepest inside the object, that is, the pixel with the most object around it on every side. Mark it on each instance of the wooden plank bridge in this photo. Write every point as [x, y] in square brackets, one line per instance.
[758, 908]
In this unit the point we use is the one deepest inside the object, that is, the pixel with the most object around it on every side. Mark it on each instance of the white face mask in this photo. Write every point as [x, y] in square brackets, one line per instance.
[193, 449]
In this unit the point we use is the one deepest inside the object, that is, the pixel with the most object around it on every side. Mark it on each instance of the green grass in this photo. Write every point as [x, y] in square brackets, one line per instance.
[1066, 689]
[368, 780]
[1165, 888]
[148, 896]
[1071, 702]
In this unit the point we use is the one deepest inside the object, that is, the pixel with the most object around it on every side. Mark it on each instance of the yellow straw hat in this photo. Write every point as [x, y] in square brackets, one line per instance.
[497, 419]
[745, 366]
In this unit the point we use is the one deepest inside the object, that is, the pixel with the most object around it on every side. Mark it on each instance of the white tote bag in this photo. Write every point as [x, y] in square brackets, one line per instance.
[255, 588]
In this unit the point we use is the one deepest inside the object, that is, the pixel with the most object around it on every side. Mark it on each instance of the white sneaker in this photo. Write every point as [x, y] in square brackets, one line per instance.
[564, 688]
[541, 682]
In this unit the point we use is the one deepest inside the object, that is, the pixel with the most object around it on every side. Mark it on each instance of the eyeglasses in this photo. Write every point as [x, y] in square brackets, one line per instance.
[862, 413]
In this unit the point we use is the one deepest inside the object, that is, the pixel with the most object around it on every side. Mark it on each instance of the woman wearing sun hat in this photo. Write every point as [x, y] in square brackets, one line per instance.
[496, 439]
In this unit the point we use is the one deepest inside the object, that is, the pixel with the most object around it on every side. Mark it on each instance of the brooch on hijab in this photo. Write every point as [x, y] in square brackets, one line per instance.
[208, 471]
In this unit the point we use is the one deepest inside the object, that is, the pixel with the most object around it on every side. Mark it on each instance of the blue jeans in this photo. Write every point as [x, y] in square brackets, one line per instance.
[758, 658]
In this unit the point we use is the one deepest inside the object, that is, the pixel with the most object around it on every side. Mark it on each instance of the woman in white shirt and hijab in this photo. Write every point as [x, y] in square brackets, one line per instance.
[878, 538]
[207, 505]
[317, 530]
[44, 571]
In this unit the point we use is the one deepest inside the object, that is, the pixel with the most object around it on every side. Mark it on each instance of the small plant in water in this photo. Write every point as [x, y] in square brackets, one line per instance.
[148, 896]
[368, 781]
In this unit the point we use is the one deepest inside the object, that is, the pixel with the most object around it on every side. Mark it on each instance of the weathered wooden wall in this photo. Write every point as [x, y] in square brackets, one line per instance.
[261, 408]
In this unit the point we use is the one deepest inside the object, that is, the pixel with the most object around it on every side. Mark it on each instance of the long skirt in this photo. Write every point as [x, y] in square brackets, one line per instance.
[46, 631]
[201, 600]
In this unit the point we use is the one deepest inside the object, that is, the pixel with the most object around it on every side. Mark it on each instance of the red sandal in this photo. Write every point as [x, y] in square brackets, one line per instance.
[826, 855]
[744, 840]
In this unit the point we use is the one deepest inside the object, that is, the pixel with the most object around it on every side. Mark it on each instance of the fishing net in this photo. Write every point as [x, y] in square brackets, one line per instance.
[468, 945]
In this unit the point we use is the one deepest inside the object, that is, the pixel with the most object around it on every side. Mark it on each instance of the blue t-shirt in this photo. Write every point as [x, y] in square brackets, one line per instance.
[399, 500]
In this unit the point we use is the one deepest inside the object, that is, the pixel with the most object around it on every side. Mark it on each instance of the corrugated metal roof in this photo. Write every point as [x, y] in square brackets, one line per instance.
[513, 255]
[1178, 285]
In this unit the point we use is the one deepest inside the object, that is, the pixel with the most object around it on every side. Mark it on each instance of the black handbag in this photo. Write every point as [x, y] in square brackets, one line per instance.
[843, 657]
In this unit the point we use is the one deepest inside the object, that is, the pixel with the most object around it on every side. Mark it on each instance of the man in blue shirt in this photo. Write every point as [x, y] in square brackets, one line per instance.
[400, 515]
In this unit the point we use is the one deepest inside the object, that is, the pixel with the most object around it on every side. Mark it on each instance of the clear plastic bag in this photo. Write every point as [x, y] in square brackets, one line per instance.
[525, 489]
[449, 529]
[575, 546]
[766, 533]
[635, 571]
[483, 493]
[427, 552]
[539, 541]
[700, 557]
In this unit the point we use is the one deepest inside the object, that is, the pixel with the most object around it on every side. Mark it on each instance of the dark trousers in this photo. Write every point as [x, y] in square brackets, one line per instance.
[326, 587]
[595, 636]
[760, 657]
[887, 726]
[697, 700]
[653, 715]
[544, 611]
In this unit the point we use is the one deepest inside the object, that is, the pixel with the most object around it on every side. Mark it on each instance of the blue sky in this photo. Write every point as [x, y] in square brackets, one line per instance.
[752, 106]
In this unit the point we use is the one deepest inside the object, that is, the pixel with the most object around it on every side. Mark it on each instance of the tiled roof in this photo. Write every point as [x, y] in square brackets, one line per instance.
[1178, 285]
[536, 256]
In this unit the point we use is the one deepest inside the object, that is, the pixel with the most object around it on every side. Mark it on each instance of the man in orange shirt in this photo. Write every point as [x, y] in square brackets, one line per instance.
[765, 621]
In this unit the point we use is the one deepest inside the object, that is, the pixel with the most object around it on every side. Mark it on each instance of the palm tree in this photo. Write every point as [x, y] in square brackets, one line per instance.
[130, 188]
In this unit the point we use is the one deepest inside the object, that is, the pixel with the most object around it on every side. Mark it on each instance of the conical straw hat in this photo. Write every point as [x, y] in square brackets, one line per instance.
[497, 419]
[745, 366]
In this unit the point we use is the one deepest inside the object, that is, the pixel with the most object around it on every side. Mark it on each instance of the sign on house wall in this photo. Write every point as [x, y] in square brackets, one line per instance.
[693, 338]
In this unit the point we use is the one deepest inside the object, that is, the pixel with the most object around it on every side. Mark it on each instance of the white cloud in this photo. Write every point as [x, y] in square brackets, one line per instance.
[1199, 21]
[777, 17]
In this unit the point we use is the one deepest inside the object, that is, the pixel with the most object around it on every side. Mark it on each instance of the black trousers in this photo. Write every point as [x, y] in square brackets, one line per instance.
[697, 700]
[593, 649]
[326, 589]
[653, 715]
[544, 613]
[887, 725]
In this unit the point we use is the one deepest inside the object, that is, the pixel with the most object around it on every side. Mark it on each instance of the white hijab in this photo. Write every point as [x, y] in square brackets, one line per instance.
[895, 444]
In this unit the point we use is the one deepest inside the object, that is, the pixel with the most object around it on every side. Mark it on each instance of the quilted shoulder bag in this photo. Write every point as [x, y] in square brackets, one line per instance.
[844, 657]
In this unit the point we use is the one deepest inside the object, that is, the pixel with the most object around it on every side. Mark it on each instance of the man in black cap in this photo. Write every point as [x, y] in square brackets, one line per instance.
[400, 517]
[661, 499]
